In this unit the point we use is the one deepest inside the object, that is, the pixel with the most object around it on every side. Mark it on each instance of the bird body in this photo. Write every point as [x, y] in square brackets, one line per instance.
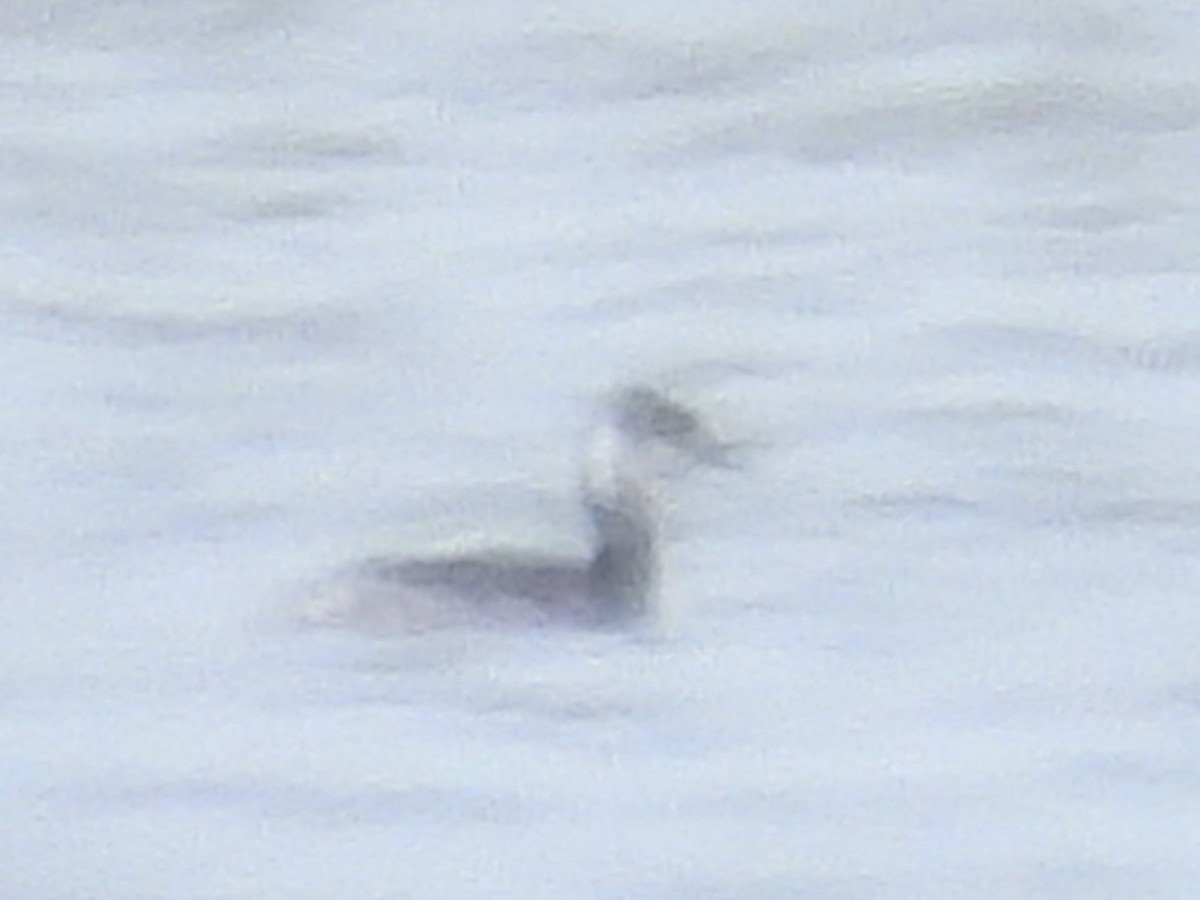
[616, 585]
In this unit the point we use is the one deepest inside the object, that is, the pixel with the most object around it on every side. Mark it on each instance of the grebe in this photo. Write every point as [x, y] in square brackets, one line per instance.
[640, 434]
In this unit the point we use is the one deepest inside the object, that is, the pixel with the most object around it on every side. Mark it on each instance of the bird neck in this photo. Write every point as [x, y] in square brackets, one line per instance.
[619, 498]
[623, 574]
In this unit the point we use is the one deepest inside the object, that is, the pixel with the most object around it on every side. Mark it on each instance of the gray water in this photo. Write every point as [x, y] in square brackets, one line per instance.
[286, 285]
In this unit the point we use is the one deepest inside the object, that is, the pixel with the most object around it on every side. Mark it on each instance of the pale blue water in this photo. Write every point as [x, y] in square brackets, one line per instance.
[287, 285]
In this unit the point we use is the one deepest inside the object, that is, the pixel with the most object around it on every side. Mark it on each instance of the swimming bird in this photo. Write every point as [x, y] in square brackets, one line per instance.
[639, 438]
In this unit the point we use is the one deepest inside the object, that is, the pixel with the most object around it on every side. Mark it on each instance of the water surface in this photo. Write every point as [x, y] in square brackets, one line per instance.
[288, 285]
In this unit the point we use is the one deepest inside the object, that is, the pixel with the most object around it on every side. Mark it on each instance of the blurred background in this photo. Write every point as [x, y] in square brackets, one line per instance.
[287, 284]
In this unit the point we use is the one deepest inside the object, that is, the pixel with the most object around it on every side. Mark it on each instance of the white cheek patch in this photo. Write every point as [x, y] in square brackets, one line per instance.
[605, 466]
